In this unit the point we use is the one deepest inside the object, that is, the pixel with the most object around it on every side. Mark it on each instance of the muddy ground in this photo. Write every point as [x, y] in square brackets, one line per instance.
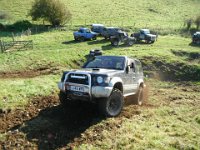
[43, 125]
[45, 70]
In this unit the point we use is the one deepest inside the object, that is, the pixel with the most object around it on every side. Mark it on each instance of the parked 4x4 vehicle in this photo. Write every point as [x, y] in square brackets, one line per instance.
[122, 37]
[110, 31]
[196, 38]
[105, 80]
[84, 34]
[144, 34]
[98, 28]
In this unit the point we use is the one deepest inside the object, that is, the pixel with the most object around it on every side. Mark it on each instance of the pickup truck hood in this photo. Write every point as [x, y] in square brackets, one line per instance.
[109, 72]
[76, 32]
[94, 33]
[151, 35]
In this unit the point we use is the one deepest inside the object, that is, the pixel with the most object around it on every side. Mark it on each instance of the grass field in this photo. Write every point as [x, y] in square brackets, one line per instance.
[163, 15]
[29, 106]
[171, 123]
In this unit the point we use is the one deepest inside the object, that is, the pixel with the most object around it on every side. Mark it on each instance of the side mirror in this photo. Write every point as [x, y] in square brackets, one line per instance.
[127, 69]
[133, 67]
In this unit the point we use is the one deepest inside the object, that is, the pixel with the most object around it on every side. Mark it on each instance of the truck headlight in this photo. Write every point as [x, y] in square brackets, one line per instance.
[99, 79]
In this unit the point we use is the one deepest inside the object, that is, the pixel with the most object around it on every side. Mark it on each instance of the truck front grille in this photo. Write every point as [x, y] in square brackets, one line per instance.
[78, 78]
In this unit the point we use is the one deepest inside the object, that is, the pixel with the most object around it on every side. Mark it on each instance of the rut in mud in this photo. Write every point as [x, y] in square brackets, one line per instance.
[30, 73]
[43, 124]
[163, 70]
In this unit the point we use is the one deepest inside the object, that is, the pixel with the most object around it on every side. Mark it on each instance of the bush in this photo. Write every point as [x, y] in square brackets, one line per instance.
[52, 11]
[20, 25]
[197, 22]
[3, 15]
[2, 27]
[188, 23]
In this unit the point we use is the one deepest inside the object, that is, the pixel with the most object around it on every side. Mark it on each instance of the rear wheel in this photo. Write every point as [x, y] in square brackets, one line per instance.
[115, 42]
[94, 38]
[130, 42]
[139, 96]
[137, 40]
[105, 37]
[148, 41]
[112, 105]
[81, 39]
[75, 38]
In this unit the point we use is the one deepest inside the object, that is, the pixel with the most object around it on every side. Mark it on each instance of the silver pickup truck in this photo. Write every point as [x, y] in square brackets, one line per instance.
[105, 80]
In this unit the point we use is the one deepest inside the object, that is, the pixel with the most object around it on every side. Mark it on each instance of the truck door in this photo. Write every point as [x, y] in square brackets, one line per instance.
[88, 34]
[130, 83]
[142, 35]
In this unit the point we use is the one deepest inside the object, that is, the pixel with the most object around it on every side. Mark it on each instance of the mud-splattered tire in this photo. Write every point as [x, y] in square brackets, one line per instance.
[67, 106]
[63, 98]
[139, 96]
[94, 38]
[112, 106]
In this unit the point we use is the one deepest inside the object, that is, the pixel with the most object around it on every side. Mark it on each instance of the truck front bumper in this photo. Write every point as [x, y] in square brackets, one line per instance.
[89, 92]
[99, 91]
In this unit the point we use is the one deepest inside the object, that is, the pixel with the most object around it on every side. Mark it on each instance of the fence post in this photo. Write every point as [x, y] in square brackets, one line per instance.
[13, 37]
[2, 46]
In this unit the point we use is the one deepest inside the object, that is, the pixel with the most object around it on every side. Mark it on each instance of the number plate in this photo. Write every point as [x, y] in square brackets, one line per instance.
[77, 88]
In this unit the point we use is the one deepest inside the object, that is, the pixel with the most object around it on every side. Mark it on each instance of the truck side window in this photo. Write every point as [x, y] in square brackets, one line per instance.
[139, 66]
[132, 66]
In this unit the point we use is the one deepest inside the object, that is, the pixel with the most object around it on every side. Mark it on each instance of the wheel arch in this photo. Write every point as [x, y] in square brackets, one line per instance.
[141, 83]
[117, 82]
[118, 86]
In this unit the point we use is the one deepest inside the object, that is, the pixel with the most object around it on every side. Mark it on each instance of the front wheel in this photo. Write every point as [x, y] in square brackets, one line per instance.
[63, 98]
[112, 106]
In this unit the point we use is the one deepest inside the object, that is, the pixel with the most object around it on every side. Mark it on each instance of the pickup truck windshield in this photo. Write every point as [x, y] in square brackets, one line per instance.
[106, 62]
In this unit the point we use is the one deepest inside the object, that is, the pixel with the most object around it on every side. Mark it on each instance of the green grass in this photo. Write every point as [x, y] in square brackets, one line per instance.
[57, 48]
[167, 125]
[15, 93]
[162, 15]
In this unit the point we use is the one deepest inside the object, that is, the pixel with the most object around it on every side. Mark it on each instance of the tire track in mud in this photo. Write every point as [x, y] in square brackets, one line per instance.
[10, 118]
[29, 73]
[43, 125]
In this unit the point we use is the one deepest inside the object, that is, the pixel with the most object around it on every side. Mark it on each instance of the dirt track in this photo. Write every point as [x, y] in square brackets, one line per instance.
[42, 125]
[29, 73]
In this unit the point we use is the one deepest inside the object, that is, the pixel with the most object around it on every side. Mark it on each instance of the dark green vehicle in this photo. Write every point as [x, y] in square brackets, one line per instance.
[196, 38]
[122, 37]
